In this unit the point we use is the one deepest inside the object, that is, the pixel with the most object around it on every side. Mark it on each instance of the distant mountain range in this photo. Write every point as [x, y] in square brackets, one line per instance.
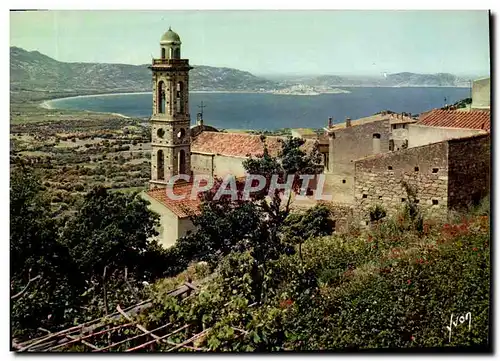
[36, 72]
[405, 79]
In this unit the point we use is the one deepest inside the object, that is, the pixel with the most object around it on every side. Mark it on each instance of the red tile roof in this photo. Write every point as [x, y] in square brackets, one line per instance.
[474, 119]
[234, 144]
[189, 205]
[182, 208]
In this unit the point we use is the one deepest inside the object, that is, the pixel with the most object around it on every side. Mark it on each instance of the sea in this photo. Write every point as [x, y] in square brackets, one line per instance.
[265, 111]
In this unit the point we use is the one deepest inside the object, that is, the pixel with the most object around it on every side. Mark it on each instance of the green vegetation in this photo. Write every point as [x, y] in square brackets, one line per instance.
[276, 132]
[464, 103]
[74, 153]
[65, 270]
[386, 288]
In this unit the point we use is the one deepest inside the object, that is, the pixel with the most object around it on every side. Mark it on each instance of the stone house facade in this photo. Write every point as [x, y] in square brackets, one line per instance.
[446, 175]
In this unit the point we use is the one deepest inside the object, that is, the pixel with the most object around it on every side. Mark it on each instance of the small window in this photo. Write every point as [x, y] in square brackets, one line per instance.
[435, 170]
[389, 167]
[367, 222]
[379, 197]
[417, 200]
[365, 195]
[416, 169]
[403, 199]
[343, 180]
[376, 136]
[435, 202]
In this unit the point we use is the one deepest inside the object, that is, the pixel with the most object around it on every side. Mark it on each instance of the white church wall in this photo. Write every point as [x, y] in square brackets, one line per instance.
[224, 165]
[169, 222]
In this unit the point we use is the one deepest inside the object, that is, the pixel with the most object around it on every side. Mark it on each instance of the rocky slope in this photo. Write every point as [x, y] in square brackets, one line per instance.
[33, 71]
[404, 79]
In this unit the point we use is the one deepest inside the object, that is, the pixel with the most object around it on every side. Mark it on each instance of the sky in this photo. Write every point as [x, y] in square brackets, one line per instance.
[268, 42]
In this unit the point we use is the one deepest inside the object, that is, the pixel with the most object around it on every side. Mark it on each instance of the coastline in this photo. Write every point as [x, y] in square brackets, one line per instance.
[50, 103]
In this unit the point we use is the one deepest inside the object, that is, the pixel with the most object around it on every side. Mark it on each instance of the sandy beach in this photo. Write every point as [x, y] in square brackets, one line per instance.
[48, 104]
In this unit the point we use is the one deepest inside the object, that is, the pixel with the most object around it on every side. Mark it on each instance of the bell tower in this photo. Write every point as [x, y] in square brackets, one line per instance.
[170, 139]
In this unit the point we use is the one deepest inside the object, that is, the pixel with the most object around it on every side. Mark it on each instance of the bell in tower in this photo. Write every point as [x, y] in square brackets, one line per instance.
[170, 140]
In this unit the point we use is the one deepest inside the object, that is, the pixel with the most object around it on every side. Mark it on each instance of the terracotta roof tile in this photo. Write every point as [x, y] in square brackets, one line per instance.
[182, 208]
[239, 144]
[233, 144]
[186, 207]
[474, 119]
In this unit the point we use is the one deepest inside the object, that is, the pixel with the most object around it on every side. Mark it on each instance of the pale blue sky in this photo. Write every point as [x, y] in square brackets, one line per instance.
[267, 42]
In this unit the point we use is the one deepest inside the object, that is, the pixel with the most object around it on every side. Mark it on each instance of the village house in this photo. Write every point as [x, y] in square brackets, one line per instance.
[444, 154]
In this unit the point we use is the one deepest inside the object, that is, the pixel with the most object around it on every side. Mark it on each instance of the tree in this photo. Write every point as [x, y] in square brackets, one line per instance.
[254, 223]
[113, 230]
[411, 211]
[40, 284]
[222, 226]
[314, 222]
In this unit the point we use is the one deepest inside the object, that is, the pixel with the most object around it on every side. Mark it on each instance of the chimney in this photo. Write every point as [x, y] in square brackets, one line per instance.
[347, 122]
[330, 121]
[199, 119]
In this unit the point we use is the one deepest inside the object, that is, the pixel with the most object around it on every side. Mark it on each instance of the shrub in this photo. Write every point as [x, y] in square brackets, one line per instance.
[377, 213]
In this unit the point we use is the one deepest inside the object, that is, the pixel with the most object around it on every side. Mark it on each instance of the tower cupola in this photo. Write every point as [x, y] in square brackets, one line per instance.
[170, 44]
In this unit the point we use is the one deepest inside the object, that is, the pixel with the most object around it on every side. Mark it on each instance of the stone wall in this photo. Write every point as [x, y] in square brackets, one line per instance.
[399, 135]
[421, 134]
[342, 214]
[340, 187]
[378, 180]
[202, 163]
[468, 170]
[217, 165]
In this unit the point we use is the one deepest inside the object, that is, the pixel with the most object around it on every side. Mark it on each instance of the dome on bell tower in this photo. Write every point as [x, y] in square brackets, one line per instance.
[170, 37]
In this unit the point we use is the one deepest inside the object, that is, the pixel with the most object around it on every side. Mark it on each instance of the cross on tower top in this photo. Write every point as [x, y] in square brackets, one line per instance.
[201, 107]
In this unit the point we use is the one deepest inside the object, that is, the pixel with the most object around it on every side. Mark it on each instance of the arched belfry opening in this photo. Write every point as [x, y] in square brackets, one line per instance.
[160, 165]
[161, 97]
[163, 53]
[179, 101]
[182, 162]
